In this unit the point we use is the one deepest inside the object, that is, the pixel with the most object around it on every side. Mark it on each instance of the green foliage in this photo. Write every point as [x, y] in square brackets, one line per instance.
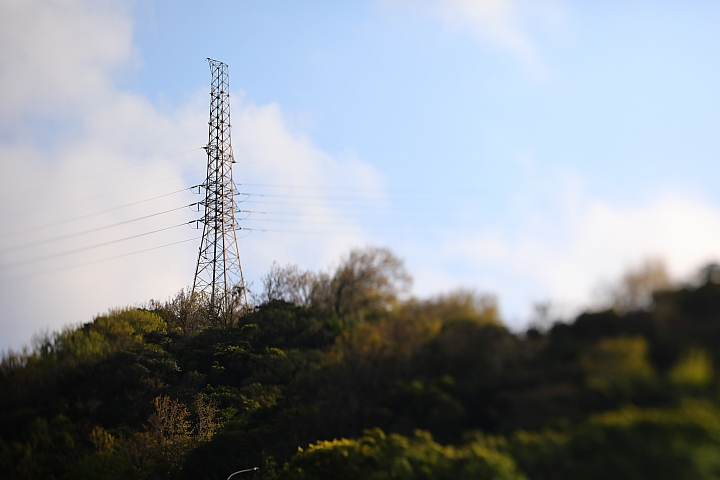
[694, 369]
[434, 388]
[108, 461]
[679, 443]
[616, 364]
[377, 456]
[116, 330]
[458, 305]
[81, 345]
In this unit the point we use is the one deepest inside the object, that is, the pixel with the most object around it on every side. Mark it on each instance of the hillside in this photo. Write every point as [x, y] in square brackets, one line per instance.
[339, 375]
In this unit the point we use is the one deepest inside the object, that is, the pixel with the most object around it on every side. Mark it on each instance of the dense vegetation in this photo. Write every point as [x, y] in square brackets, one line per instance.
[335, 375]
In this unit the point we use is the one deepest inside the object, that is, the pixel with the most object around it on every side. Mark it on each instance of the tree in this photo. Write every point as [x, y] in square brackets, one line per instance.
[457, 305]
[367, 279]
[206, 409]
[289, 284]
[635, 288]
[170, 428]
[185, 313]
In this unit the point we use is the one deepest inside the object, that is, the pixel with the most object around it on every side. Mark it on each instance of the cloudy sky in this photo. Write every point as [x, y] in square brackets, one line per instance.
[530, 149]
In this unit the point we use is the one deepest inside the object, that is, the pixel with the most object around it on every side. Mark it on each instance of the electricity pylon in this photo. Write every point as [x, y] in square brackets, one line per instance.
[218, 275]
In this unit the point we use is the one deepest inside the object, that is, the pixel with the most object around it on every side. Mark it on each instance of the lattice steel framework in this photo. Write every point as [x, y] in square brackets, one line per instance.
[218, 273]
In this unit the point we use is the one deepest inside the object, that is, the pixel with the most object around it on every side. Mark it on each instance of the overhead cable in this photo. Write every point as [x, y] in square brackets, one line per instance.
[126, 167]
[93, 230]
[88, 215]
[78, 265]
[91, 247]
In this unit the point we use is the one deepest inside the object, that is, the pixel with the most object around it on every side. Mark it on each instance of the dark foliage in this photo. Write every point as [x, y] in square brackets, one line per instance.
[413, 389]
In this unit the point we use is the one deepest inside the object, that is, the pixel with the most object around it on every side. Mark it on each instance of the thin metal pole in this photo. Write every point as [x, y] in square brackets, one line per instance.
[243, 471]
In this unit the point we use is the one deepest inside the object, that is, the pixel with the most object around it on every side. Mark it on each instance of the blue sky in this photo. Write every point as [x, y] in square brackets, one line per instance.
[531, 150]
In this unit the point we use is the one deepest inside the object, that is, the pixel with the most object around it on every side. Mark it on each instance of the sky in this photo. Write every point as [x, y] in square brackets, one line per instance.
[531, 150]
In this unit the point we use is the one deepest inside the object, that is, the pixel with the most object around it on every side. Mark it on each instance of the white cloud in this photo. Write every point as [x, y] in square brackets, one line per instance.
[594, 244]
[57, 58]
[56, 54]
[513, 25]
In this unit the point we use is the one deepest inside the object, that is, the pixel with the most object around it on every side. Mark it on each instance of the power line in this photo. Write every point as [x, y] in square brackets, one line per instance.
[352, 196]
[310, 187]
[308, 232]
[85, 199]
[99, 174]
[94, 197]
[93, 230]
[339, 229]
[91, 247]
[349, 189]
[302, 220]
[70, 267]
[364, 205]
[82, 217]
[311, 197]
[344, 214]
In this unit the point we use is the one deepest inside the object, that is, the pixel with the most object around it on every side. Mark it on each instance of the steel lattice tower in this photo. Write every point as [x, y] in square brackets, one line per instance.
[218, 275]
